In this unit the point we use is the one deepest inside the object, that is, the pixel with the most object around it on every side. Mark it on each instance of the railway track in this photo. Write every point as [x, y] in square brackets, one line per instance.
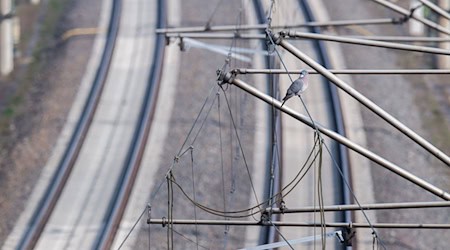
[53, 192]
[269, 235]
[40, 232]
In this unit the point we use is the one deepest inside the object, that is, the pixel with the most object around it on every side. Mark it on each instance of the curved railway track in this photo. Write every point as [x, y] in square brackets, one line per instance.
[130, 166]
[54, 190]
[127, 177]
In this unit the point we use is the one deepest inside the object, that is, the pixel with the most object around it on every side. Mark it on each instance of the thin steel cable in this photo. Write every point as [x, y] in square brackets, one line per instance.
[149, 227]
[152, 197]
[208, 22]
[204, 120]
[320, 194]
[336, 165]
[281, 235]
[194, 196]
[222, 168]
[269, 15]
[233, 173]
[196, 119]
[132, 228]
[240, 147]
[187, 238]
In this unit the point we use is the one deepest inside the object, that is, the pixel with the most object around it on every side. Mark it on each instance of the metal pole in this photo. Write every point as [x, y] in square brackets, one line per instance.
[353, 207]
[346, 71]
[211, 35]
[6, 38]
[436, 8]
[407, 13]
[298, 224]
[405, 38]
[365, 101]
[216, 35]
[345, 141]
[365, 42]
[264, 26]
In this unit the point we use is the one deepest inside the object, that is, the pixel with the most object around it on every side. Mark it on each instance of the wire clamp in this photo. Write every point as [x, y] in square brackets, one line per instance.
[265, 218]
[149, 213]
[405, 18]
[164, 222]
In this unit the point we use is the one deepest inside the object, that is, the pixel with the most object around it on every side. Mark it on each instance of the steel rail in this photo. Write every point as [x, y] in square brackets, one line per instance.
[298, 224]
[436, 9]
[407, 14]
[356, 207]
[365, 42]
[347, 71]
[65, 166]
[132, 163]
[364, 100]
[229, 78]
[264, 26]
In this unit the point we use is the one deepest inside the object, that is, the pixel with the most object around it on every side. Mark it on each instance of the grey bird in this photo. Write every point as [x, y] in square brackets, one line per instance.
[297, 87]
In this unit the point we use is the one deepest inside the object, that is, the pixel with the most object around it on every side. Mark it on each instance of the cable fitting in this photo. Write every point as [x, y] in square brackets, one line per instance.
[224, 78]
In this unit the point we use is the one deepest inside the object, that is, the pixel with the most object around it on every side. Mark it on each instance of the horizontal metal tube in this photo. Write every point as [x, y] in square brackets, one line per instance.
[297, 224]
[213, 35]
[405, 12]
[404, 38]
[347, 71]
[264, 26]
[365, 42]
[365, 101]
[217, 35]
[341, 139]
[353, 207]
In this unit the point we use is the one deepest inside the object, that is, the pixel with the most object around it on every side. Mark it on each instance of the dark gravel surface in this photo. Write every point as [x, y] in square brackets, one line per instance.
[197, 77]
[45, 101]
[415, 101]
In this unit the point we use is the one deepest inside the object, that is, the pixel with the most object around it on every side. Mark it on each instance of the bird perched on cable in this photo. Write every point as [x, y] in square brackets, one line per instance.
[297, 87]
